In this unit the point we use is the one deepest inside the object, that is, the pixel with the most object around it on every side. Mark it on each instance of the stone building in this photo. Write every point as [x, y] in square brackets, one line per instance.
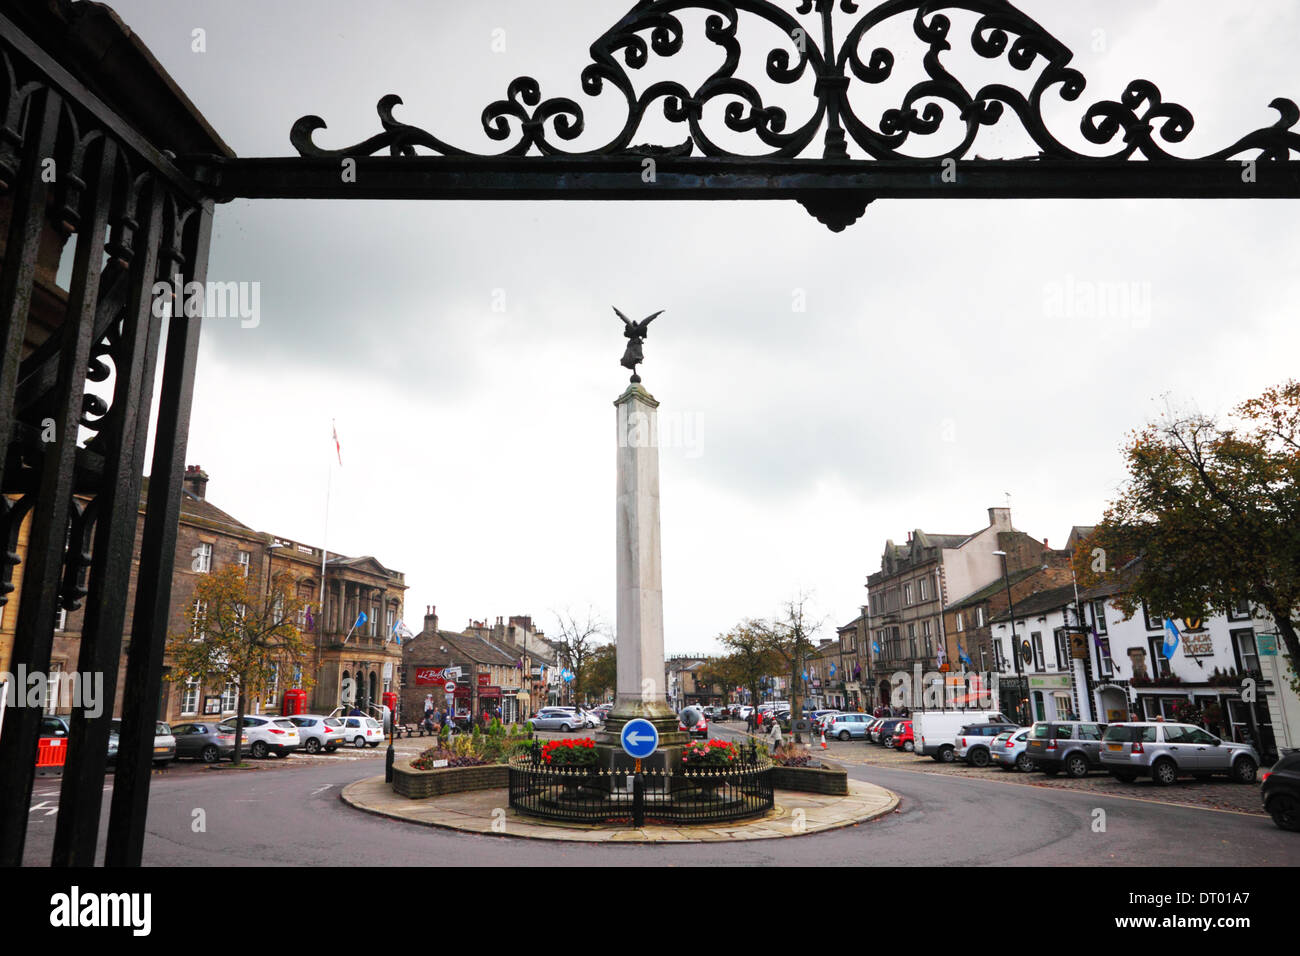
[917, 580]
[209, 538]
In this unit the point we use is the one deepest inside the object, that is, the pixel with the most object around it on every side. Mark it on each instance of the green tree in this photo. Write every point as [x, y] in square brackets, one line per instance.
[790, 639]
[749, 660]
[1208, 516]
[236, 631]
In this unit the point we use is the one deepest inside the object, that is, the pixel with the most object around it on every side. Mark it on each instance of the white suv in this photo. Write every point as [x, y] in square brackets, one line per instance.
[266, 734]
[319, 733]
[362, 731]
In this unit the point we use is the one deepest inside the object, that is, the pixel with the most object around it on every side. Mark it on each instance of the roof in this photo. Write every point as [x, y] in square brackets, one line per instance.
[986, 592]
[201, 510]
[1050, 600]
[479, 650]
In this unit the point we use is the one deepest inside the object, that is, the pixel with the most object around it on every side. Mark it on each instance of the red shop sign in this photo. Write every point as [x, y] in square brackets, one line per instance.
[483, 679]
[428, 675]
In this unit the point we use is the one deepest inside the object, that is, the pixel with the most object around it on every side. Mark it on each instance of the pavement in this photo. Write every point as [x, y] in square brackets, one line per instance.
[488, 812]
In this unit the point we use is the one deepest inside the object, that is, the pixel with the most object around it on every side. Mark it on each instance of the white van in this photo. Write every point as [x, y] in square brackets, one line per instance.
[935, 731]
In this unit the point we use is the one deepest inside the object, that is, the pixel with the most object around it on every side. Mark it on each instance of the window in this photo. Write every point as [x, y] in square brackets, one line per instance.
[1099, 616]
[1089, 732]
[1239, 611]
[272, 685]
[999, 656]
[1062, 649]
[61, 620]
[1154, 622]
[1243, 647]
[190, 696]
[244, 558]
[200, 618]
[229, 698]
[203, 558]
[984, 659]
[52, 687]
[907, 595]
[979, 616]
[374, 621]
[1037, 639]
[1103, 655]
[1159, 663]
[924, 586]
[911, 640]
[960, 625]
[928, 636]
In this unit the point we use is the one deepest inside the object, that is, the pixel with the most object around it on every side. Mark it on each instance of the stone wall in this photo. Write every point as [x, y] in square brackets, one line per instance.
[829, 778]
[418, 784]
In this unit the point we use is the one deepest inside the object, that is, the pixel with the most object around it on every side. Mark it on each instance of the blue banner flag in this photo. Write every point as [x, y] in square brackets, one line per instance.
[1171, 638]
[361, 619]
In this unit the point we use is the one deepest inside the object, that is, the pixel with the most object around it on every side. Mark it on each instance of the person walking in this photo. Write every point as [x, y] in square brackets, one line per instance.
[777, 739]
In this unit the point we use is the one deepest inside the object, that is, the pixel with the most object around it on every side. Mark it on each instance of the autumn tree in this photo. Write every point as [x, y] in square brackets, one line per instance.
[1209, 515]
[600, 671]
[748, 661]
[239, 631]
[578, 640]
[790, 639]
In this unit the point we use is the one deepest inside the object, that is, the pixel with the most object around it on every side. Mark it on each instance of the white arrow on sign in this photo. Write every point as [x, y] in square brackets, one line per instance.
[636, 738]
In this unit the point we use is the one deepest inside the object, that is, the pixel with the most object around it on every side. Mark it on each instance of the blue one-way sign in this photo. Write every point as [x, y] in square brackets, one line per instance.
[639, 738]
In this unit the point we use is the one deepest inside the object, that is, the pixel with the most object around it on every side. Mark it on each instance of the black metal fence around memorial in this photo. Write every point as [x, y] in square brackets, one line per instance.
[591, 795]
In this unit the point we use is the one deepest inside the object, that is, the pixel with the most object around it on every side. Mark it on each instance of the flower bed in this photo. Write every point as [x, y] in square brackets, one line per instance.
[576, 754]
[710, 754]
[436, 758]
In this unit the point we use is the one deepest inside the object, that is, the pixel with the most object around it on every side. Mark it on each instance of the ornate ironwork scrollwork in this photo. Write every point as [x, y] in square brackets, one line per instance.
[1140, 119]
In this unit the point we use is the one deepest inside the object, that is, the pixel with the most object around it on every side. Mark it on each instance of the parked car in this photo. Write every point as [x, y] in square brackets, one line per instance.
[590, 719]
[164, 743]
[819, 718]
[873, 729]
[52, 725]
[903, 739]
[743, 711]
[1280, 791]
[888, 727]
[268, 735]
[721, 713]
[847, 726]
[699, 729]
[1167, 751]
[362, 731]
[203, 741]
[1070, 745]
[973, 742]
[319, 733]
[1008, 750]
[936, 730]
[556, 718]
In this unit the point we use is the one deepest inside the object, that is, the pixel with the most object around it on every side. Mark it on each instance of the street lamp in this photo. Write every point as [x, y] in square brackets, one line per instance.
[1015, 650]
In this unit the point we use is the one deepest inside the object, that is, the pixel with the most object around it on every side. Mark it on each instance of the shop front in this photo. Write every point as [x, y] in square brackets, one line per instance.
[1051, 697]
[489, 701]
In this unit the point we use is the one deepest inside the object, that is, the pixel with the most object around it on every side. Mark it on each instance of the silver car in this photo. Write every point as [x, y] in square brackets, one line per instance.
[557, 718]
[1008, 750]
[847, 726]
[1168, 751]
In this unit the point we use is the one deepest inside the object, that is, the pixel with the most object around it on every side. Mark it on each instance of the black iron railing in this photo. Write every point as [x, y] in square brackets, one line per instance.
[697, 796]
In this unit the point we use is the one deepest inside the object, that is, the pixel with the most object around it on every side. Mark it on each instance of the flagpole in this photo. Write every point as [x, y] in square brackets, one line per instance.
[329, 480]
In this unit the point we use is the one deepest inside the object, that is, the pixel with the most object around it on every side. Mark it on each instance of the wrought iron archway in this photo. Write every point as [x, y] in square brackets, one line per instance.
[141, 214]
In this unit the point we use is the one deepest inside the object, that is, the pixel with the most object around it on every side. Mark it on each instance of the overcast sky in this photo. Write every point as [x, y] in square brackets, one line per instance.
[470, 357]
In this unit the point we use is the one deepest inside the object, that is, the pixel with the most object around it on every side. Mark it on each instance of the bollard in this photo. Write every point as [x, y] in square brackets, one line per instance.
[388, 764]
[638, 801]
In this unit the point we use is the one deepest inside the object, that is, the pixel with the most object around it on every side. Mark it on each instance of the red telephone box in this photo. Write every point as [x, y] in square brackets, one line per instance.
[295, 702]
[390, 701]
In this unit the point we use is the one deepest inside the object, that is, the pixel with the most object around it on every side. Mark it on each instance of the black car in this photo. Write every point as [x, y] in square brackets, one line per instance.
[887, 730]
[1281, 792]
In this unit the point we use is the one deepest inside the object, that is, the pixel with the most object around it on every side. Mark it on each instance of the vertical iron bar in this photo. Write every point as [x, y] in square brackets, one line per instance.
[130, 805]
[34, 634]
[77, 830]
[18, 271]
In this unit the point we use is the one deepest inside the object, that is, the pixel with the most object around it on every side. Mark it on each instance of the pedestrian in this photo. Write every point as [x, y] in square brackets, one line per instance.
[776, 735]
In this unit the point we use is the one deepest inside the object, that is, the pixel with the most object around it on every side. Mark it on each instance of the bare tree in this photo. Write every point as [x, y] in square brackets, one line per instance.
[579, 639]
[790, 638]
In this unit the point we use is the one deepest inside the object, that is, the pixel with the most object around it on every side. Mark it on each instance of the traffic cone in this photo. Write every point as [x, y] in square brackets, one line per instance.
[824, 747]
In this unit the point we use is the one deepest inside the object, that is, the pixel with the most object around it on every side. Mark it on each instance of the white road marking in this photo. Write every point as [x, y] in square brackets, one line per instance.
[49, 811]
[321, 789]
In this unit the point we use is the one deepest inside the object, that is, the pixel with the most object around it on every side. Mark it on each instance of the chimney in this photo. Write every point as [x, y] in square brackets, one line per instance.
[431, 619]
[1000, 518]
[196, 481]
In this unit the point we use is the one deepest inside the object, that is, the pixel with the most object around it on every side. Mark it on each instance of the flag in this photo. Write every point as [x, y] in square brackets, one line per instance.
[875, 646]
[311, 621]
[361, 619]
[832, 669]
[400, 630]
[1096, 638]
[805, 675]
[857, 671]
[520, 665]
[1171, 638]
[961, 652]
[940, 655]
[337, 450]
